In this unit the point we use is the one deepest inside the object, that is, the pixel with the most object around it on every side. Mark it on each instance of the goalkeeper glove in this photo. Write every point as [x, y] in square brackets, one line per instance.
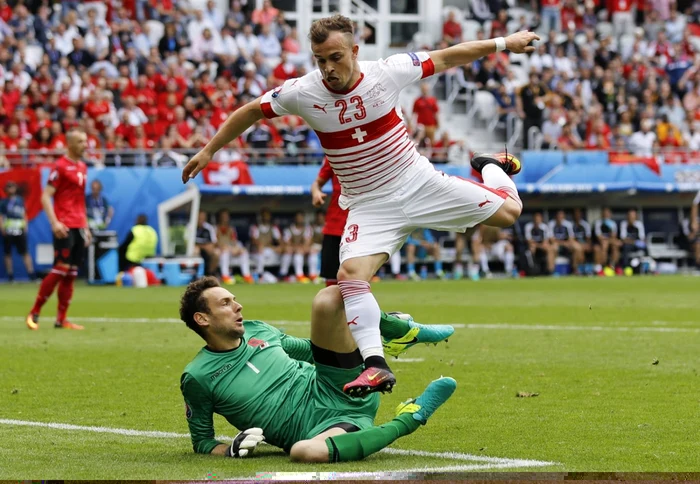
[245, 442]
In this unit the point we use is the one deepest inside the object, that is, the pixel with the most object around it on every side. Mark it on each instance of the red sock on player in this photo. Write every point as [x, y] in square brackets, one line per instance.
[46, 289]
[331, 282]
[65, 293]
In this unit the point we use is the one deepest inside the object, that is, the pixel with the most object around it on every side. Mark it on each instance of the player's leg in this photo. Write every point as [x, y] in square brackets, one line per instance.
[287, 252]
[312, 261]
[460, 245]
[330, 259]
[225, 264]
[7, 250]
[577, 255]
[65, 287]
[337, 445]
[697, 252]
[372, 233]
[244, 257]
[61, 268]
[23, 251]
[437, 257]
[551, 252]
[496, 170]
[411, 247]
[299, 252]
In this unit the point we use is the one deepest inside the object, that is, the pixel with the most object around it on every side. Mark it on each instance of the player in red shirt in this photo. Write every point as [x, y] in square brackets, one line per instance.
[68, 219]
[335, 223]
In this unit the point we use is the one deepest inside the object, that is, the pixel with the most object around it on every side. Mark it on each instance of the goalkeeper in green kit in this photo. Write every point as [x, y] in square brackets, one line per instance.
[289, 391]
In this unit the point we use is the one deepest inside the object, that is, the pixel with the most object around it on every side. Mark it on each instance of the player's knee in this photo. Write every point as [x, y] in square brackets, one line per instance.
[327, 301]
[309, 451]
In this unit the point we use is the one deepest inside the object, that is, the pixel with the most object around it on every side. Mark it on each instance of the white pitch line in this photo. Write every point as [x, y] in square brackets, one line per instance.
[407, 360]
[498, 326]
[489, 462]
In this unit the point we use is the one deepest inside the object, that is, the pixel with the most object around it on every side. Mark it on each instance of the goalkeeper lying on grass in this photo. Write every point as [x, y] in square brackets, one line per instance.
[289, 391]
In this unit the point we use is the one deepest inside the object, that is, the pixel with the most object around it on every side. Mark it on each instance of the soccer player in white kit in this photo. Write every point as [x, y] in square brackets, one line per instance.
[389, 188]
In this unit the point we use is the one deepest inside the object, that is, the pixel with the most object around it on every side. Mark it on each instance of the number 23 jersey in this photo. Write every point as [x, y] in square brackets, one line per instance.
[361, 130]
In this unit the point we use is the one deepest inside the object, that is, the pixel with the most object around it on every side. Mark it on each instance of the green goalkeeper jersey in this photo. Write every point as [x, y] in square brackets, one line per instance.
[266, 382]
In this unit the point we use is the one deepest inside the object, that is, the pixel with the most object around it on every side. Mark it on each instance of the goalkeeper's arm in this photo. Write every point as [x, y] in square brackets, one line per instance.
[297, 348]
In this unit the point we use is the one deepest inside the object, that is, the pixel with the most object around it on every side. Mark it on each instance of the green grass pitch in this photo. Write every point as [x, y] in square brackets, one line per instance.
[615, 363]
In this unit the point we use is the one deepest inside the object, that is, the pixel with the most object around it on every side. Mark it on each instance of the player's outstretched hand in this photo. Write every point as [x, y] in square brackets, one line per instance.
[318, 198]
[60, 230]
[520, 42]
[245, 442]
[195, 165]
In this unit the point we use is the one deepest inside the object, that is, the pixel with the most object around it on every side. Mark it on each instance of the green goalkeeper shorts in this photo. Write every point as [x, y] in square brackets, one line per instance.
[329, 406]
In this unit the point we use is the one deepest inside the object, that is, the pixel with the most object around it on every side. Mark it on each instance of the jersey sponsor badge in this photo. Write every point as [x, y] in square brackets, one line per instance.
[416, 60]
[188, 411]
[276, 92]
[258, 343]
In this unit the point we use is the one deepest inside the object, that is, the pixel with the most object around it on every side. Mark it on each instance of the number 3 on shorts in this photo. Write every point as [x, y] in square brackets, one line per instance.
[352, 231]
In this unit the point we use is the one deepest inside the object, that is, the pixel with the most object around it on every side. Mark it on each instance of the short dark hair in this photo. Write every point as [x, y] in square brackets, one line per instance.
[322, 28]
[193, 301]
[142, 219]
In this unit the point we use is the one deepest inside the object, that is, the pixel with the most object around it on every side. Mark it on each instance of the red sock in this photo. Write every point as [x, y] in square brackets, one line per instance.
[65, 293]
[47, 286]
[331, 282]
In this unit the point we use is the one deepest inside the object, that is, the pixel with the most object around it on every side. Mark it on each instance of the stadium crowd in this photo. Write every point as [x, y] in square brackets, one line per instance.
[619, 75]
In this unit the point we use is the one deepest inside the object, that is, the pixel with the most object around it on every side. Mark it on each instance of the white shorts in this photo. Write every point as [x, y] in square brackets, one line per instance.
[429, 199]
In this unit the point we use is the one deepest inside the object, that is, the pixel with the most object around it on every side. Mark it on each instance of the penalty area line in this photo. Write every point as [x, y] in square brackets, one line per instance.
[564, 326]
[479, 462]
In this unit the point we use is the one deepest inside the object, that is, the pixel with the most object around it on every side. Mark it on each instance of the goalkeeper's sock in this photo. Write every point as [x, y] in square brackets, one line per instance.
[358, 445]
[392, 327]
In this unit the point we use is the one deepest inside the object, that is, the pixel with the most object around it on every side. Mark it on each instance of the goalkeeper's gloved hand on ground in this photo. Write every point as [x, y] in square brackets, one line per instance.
[245, 442]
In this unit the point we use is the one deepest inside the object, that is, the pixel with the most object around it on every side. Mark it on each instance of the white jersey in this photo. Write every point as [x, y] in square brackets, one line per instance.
[361, 130]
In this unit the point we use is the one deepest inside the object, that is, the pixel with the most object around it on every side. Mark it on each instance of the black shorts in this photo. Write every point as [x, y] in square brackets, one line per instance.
[17, 241]
[330, 256]
[70, 250]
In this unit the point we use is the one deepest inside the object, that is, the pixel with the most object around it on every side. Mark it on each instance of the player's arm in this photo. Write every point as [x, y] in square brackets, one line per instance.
[466, 52]
[199, 411]
[318, 198]
[233, 127]
[57, 227]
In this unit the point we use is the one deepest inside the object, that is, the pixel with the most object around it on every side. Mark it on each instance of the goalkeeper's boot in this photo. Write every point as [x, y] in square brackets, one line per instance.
[65, 324]
[371, 380]
[32, 321]
[418, 333]
[434, 395]
[508, 163]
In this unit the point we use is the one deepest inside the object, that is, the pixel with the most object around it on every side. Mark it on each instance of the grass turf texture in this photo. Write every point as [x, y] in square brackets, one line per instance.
[602, 406]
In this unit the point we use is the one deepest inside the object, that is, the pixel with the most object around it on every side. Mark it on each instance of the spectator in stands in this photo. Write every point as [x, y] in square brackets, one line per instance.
[582, 234]
[425, 111]
[493, 242]
[642, 142]
[569, 139]
[607, 244]
[551, 15]
[265, 243]
[206, 244]
[481, 11]
[265, 15]
[259, 139]
[99, 211]
[668, 134]
[230, 246]
[269, 44]
[538, 238]
[531, 104]
[297, 240]
[552, 130]
[451, 29]
[294, 134]
[251, 84]
[621, 15]
[692, 136]
[563, 239]
[247, 42]
[633, 237]
[423, 240]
